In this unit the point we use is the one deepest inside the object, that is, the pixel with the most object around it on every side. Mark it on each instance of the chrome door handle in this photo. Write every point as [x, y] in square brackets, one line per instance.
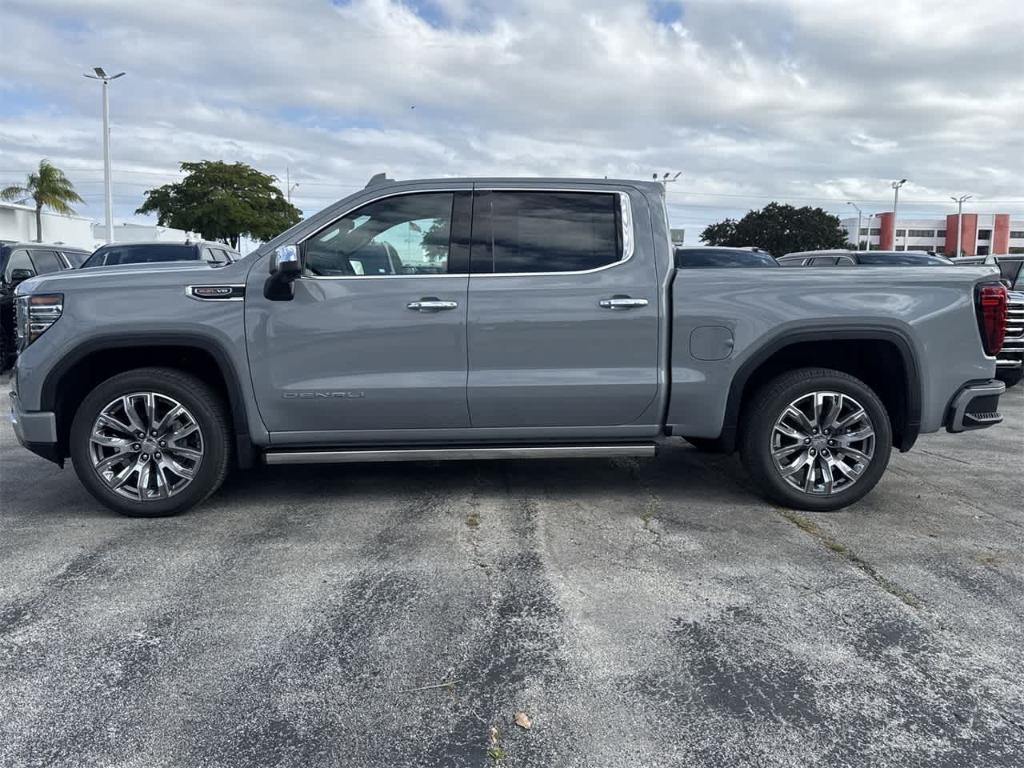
[622, 302]
[431, 304]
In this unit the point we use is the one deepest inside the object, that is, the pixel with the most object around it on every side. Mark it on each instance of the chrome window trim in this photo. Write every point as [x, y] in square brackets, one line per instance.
[626, 216]
[625, 209]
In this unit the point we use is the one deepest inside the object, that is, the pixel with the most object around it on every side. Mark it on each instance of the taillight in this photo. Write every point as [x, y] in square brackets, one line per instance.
[992, 309]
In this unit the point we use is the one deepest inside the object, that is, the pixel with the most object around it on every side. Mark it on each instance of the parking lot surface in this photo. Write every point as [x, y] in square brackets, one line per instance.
[640, 612]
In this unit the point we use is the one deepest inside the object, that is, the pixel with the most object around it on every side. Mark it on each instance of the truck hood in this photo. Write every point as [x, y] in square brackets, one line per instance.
[175, 273]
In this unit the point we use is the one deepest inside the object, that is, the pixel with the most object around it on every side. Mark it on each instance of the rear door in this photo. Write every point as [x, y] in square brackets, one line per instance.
[563, 310]
[374, 341]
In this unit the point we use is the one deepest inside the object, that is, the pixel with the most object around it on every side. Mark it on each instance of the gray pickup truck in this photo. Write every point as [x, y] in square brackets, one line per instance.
[495, 318]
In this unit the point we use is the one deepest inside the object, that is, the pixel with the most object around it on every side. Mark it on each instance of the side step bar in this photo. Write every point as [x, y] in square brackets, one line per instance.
[330, 456]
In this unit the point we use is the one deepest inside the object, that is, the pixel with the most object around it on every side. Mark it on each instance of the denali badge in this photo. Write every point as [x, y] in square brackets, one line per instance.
[322, 395]
[215, 292]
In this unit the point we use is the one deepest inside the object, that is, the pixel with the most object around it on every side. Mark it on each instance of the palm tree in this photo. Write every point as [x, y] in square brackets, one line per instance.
[47, 187]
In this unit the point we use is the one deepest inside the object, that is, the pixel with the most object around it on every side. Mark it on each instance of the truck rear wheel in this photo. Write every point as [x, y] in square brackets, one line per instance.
[816, 439]
[151, 442]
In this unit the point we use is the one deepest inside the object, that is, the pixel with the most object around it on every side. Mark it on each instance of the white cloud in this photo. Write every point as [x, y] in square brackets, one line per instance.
[752, 100]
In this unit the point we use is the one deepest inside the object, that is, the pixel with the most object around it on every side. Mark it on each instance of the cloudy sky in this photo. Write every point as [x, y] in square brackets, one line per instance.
[804, 101]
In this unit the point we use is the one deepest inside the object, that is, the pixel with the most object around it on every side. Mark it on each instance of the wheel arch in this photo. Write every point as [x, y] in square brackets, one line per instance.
[863, 351]
[100, 358]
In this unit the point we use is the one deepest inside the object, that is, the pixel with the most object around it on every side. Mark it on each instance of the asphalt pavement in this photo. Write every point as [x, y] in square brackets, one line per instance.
[640, 612]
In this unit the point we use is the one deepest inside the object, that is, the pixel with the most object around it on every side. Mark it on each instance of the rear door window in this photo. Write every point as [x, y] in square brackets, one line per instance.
[46, 261]
[518, 232]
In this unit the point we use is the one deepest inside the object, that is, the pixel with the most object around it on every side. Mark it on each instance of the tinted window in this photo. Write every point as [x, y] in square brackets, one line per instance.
[76, 258]
[46, 261]
[1010, 270]
[823, 261]
[18, 260]
[140, 254]
[545, 231]
[908, 259]
[403, 235]
[715, 257]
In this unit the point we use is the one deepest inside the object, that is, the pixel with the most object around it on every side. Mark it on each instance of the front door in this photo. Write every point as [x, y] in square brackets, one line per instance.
[374, 339]
[563, 315]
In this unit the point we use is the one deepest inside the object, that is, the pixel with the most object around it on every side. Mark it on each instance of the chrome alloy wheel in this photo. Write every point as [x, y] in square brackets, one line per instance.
[822, 443]
[146, 446]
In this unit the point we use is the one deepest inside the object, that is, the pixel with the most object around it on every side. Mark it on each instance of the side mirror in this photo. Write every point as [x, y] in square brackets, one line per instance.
[21, 275]
[285, 267]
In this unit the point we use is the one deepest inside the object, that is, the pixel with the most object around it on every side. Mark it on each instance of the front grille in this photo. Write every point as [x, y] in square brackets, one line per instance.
[1015, 317]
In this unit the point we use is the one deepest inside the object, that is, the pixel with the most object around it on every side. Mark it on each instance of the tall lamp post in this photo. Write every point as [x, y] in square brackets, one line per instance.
[867, 243]
[860, 215]
[959, 221]
[895, 205]
[108, 187]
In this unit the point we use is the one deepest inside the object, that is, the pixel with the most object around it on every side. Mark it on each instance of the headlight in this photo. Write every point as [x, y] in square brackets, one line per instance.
[36, 313]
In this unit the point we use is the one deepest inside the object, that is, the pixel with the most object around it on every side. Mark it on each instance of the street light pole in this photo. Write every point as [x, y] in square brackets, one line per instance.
[108, 184]
[895, 205]
[959, 221]
[860, 215]
[665, 178]
[867, 242]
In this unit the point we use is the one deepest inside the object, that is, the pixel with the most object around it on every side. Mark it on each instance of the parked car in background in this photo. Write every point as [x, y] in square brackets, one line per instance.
[19, 262]
[1010, 363]
[1010, 266]
[720, 256]
[844, 258]
[152, 253]
[557, 326]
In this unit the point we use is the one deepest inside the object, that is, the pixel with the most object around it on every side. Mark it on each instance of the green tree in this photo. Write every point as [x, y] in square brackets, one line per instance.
[722, 233]
[222, 201]
[49, 188]
[780, 229]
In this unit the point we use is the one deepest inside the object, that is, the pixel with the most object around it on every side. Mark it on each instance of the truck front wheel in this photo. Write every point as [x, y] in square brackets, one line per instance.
[151, 442]
[816, 439]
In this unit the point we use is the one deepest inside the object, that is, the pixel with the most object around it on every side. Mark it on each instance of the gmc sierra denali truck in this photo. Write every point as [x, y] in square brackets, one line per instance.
[494, 318]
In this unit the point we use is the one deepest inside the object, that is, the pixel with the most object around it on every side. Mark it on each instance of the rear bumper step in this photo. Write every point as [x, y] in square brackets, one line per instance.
[334, 456]
[975, 406]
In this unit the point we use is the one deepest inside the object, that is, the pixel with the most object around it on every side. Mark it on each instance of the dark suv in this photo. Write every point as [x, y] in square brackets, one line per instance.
[152, 253]
[18, 262]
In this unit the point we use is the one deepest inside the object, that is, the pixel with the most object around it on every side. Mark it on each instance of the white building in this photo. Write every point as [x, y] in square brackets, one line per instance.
[127, 232]
[18, 224]
[983, 234]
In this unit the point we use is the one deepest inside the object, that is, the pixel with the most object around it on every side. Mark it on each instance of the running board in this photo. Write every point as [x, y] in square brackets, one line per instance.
[330, 456]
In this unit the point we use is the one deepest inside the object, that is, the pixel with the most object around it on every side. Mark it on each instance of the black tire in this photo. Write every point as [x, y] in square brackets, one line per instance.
[192, 393]
[768, 404]
[1010, 376]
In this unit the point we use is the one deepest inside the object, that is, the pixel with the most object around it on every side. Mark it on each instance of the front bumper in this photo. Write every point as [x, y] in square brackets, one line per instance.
[975, 406]
[36, 430]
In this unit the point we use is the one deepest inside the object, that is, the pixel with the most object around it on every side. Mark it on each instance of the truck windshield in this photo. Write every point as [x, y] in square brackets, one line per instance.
[140, 254]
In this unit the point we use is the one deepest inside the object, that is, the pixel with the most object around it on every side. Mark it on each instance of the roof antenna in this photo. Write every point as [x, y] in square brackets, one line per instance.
[378, 179]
